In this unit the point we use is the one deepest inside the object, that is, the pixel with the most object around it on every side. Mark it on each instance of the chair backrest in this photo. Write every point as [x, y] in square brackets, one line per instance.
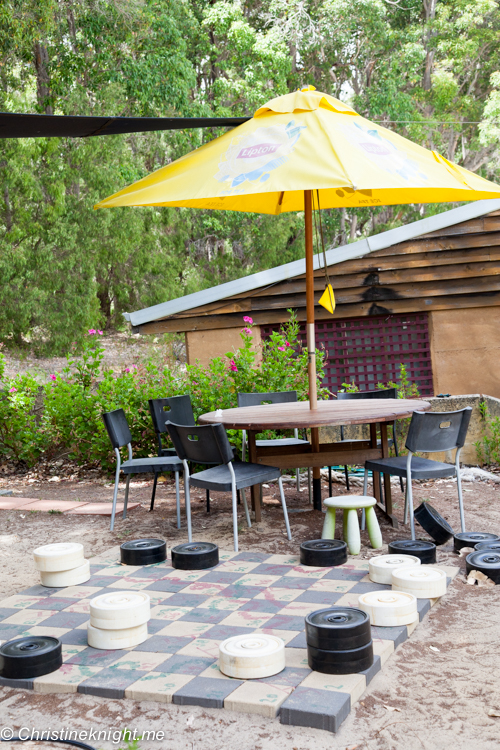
[117, 427]
[435, 431]
[176, 409]
[204, 444]
[379, 393]
[256, 399]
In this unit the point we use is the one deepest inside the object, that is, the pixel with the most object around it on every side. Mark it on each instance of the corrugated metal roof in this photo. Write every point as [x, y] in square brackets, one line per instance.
[298, 267]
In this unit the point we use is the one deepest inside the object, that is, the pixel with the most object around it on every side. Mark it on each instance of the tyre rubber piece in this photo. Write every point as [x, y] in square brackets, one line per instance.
[433, 523]
[195, 556]
[117, 610]
[31, 656]
[114, 640]
[323, 553]
[485, 561]
[64, 578]
[381, 566]
[52, 558]
[340, 662]
[488, 545]
[424, 582]
[338, 629]
[426, 551]
[471, 538]
[252, 656]
[143, 552]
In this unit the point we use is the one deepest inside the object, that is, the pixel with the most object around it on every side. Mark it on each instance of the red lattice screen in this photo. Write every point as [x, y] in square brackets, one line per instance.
[369, 350]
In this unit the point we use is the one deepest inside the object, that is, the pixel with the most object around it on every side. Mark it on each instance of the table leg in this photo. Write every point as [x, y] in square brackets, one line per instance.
[387, 477]
[316, 470]
[376, 475]
[254, 491]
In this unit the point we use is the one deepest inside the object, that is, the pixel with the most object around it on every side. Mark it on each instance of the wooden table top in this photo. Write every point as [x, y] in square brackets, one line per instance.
[298, 414]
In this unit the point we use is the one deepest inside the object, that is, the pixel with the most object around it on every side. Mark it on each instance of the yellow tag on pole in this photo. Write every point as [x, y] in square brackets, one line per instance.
[327, 299]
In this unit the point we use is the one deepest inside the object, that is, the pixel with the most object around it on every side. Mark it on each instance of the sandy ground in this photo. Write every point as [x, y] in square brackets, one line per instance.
[423, 698]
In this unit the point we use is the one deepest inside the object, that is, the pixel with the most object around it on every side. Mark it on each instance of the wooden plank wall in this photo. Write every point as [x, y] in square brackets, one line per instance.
[455, 267]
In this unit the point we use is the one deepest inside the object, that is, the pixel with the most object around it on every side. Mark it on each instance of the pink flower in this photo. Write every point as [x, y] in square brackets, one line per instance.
[248, 331]
[287, 343]
[281, 348]
[91, 331]
[127, 369]
[12, 390]
[53, 377]
[248, 320]
[100, 333]
[232, 366]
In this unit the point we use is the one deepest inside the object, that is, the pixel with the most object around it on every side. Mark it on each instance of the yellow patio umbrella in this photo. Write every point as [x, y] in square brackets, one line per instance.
[303, 147]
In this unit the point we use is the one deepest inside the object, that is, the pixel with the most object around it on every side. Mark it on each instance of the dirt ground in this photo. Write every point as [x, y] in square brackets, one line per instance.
[423, 698]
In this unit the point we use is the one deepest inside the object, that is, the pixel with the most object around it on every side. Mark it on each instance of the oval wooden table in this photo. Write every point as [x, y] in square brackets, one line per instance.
[374, 412]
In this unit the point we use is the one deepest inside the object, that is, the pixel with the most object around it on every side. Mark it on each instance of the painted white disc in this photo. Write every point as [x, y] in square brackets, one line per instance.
[63, 578]
[252, 656]
[110, 640]
[424, 582]
[119, 609]
[389, 608]
[56, 557]
[381, 566]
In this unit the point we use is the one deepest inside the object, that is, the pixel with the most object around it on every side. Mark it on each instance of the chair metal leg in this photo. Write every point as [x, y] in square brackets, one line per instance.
[459, 488]
[365, 492]
[115, 496]
[153, 494]
[330, 488]
[125, 502]
[297, 478]
[235, 516]
[409, 494]
[178, 499]
[346, 472]
[405, 515]
[187, 500]
[245, 506]
[208, 501]
[285, 512]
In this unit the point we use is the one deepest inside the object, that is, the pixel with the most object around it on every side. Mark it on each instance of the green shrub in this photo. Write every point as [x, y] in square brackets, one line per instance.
[488, 447]
[74, 398]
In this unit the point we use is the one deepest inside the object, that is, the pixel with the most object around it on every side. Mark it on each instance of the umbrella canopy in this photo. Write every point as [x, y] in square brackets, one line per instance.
[306, 140]
[295, 147]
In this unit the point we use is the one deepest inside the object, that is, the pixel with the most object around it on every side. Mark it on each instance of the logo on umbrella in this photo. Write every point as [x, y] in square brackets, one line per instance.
[251, 158]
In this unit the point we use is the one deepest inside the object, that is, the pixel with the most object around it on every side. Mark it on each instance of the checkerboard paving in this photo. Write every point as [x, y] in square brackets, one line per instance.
[191, 613]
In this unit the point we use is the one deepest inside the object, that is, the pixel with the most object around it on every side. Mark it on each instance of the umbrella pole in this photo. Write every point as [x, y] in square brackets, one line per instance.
[311, 342]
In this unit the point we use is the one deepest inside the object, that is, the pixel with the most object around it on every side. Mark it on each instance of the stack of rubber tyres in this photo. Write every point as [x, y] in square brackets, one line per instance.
[118, 619]
[61, 565]
[143, 552]
[339, 640]
[29, 657]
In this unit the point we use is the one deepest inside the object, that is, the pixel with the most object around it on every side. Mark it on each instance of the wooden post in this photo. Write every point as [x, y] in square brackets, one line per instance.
[311, 340]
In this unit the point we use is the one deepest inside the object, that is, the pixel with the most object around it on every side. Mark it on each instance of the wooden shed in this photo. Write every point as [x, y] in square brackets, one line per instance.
[426, 294]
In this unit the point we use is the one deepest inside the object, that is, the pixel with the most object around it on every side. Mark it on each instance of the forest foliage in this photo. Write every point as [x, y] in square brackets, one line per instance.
[429, 69]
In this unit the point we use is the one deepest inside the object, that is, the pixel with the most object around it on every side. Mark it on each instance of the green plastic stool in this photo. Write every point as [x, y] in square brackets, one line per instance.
[350, 505]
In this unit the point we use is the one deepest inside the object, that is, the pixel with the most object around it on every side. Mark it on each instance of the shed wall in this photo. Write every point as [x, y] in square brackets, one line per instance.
[465, 350]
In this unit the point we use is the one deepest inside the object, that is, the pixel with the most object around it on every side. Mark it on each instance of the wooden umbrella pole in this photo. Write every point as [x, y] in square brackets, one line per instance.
[311, 341]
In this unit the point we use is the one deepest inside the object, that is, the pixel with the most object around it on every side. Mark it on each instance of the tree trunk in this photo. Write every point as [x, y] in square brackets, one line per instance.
[42, 78]
[430, 15]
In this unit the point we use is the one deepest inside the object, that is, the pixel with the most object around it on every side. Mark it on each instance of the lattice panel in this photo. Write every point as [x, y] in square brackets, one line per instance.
[369, 350]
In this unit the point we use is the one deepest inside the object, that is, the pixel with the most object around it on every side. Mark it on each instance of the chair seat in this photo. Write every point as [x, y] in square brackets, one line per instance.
[151, 464]
[219, 478]
[421, 468]
[280, 441]
[350, 502]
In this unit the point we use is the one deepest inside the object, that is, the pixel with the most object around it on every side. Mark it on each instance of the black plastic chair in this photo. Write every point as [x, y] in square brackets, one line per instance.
[380, 393]
[209, 444]
[430, 432]
[278, 397]
[176, 409]
[119, 434]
